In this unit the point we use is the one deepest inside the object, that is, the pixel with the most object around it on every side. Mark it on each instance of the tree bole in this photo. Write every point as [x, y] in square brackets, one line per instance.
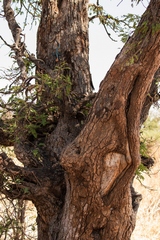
[81, 180]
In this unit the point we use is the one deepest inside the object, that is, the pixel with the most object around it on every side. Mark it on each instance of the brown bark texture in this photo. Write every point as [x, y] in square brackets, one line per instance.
[80, 180]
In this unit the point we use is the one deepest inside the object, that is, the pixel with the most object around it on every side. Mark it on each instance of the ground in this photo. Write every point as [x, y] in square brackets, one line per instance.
[148, 217]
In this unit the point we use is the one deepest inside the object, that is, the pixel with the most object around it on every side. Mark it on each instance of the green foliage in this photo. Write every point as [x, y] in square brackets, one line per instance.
[141, 170]
[95, 9]
[85, 109]
[35, 102]
[123, 26]
[150, 134]
[132, 59]
[36, 153]
[127, 25]
[30, 10]
[144, 148]
[61, 85]
[29, 66]
[150, 131]
[135, 2]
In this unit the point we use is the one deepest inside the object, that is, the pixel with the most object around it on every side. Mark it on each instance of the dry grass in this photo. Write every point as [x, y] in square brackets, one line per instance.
[148, 217]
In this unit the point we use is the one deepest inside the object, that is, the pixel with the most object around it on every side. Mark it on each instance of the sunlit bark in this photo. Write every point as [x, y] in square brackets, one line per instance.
[81, 185]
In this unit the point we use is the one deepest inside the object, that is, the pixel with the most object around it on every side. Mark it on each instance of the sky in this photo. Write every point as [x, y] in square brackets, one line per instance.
[102, 49]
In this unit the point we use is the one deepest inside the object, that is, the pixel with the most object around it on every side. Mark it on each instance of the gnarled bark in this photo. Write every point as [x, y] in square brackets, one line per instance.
[104, 157]
[80, 179]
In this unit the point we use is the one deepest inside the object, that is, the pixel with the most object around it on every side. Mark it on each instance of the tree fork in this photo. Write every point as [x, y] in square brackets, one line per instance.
[105, 161]
[99, 158]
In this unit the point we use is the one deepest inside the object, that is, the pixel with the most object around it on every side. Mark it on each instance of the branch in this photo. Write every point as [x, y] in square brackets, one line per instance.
[18, 46]
[109, 35]
[40, 64]
[29, 183]
[5, 42]
[102, 19]
[81, 104]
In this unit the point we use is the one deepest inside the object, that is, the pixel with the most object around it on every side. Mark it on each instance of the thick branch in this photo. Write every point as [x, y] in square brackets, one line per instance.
[30, 183]
[105, 155]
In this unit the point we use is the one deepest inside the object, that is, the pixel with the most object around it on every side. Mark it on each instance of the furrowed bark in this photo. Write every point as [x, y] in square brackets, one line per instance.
[63, 36]
[103, 158]
[98, 156]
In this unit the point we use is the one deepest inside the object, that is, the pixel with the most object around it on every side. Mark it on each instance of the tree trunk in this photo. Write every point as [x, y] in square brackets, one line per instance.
[100, 163]
[63, 36]
[81, 186]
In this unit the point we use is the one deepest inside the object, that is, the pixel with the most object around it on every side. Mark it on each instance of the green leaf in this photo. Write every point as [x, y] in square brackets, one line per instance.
[35, 152]
[32, 129]
[26, 190]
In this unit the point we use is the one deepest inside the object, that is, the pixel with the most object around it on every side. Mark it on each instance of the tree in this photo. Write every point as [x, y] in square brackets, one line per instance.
[13, 222]
[79, 150]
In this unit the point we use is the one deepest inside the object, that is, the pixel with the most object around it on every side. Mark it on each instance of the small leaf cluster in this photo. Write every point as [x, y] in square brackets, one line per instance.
[128, 24]
[141, 170]
[31, 10]
[35, 102]
[149, 137]
[123, 26]
[135, 2]
[61, 85]
[150, 131]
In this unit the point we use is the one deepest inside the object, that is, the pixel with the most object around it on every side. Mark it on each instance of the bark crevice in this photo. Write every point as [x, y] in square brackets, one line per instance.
[86, 165]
